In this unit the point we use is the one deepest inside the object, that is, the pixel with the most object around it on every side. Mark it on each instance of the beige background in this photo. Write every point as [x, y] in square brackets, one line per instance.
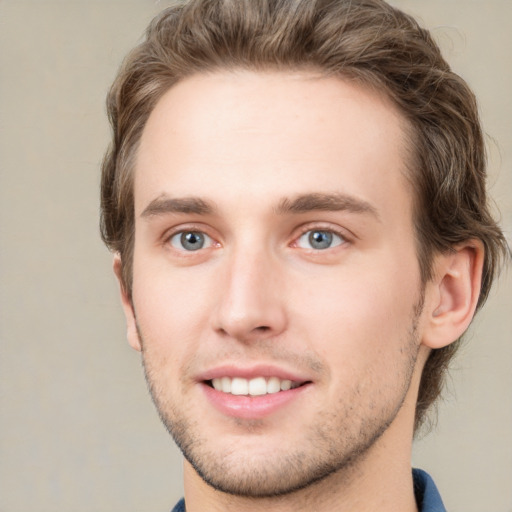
[77, 429]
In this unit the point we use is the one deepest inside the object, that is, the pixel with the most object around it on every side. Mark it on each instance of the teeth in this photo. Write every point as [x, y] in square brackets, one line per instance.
[253, 387]
[239, 386]
[226, 384]
[286, 385]
[273, 385]
[257, 386]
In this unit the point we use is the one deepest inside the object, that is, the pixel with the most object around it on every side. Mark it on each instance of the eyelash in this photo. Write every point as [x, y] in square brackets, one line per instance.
[341, 235]
[196, 234]
[185, 230]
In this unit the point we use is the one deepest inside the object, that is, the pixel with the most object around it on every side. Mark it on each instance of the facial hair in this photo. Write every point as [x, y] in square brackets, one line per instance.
[336, 440]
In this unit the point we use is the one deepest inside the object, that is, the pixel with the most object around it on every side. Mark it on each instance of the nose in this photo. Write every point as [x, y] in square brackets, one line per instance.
[251, 303]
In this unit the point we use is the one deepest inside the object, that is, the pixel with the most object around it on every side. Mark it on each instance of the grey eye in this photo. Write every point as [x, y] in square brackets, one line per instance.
[190, 240]
[319, 239]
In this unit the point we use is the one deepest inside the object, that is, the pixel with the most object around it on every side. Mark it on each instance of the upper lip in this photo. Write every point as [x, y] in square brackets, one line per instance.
[250, 372]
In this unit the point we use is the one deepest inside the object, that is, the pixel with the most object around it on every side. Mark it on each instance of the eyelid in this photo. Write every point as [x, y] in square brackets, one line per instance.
[346, 235]
[189, 228]
[208, 240]
[335, 240]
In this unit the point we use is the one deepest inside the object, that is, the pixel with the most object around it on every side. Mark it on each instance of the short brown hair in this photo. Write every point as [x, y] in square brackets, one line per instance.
[364, 40]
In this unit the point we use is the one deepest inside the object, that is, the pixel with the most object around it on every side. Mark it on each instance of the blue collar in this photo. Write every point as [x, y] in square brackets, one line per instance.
[180, 506]
[425, 490]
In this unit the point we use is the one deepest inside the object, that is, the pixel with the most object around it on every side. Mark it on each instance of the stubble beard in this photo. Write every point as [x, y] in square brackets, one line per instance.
[336, 442]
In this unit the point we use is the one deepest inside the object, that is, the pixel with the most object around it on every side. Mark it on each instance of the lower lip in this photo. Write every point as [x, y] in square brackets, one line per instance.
[251, 407]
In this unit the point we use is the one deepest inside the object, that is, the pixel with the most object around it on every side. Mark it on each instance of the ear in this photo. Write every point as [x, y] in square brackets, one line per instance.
[131, 324]
[453, 294]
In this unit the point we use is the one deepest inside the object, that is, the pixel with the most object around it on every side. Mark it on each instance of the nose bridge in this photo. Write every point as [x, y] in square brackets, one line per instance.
[250, 300]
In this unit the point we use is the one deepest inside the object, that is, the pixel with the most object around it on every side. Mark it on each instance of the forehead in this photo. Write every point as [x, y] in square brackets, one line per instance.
[274, 133]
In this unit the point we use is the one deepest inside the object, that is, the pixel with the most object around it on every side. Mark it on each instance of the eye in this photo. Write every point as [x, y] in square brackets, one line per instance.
[190, 241]
[319, 239]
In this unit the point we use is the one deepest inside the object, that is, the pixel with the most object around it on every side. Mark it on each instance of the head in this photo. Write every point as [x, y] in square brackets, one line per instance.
[366, 43]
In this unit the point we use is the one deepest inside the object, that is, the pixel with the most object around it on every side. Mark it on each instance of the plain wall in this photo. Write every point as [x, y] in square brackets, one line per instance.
[78, 431]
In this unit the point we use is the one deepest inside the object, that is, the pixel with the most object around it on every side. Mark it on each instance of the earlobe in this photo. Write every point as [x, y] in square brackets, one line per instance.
[453, 294]
[132, 333]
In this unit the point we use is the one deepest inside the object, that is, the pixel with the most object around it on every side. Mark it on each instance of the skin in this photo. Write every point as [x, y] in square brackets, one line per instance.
[227, 155]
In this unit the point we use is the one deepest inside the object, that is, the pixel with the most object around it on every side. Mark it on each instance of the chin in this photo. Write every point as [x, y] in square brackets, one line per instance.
[245, 469]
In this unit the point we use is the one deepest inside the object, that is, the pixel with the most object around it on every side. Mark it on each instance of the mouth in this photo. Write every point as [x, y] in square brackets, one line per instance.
[254, 393]
[257, 386]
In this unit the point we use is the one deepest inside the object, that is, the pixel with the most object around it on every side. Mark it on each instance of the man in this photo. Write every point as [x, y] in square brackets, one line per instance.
[295, 196]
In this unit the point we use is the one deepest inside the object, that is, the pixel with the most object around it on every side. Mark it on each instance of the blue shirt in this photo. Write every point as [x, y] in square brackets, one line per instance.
[425, 490]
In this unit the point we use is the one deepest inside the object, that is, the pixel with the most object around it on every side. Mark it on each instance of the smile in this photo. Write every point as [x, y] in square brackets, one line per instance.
[257, 386]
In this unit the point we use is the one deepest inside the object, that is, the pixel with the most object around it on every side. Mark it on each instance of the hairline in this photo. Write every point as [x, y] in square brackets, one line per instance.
[409, 131]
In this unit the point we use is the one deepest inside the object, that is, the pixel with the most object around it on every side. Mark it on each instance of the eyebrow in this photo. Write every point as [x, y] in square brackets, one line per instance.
[165, 204]
[303, 203]
[326, 202]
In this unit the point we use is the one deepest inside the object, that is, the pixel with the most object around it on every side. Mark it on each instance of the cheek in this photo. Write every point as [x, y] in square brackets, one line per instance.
[360, 316]
[171, 306]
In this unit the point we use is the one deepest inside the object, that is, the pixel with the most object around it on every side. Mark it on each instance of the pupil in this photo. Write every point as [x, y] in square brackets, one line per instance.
[320, 239]
[192, 241]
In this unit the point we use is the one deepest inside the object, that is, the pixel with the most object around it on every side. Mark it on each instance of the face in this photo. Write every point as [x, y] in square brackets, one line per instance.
[276, 290]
